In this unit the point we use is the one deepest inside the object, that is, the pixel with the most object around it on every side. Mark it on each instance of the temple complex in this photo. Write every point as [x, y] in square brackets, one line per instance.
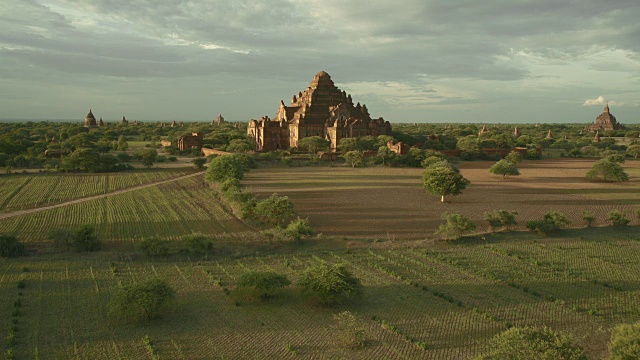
[218, 121]
[90, 120]
[322, 109]
[605, 121]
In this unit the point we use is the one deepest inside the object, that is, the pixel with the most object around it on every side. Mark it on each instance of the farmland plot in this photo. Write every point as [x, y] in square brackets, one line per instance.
[390, 203]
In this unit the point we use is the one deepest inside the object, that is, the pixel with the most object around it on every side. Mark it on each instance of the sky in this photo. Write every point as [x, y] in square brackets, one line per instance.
[490, 61]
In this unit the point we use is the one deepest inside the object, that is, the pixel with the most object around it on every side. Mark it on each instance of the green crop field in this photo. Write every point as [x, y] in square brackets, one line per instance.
[19, 192]
[451, 297]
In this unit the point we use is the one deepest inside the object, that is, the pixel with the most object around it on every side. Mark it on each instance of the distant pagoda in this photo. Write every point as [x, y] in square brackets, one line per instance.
[90, 120]
[605, 121]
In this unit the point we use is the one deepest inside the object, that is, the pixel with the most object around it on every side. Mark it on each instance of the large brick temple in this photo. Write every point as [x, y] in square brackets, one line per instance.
[605, 121]
[322, 110]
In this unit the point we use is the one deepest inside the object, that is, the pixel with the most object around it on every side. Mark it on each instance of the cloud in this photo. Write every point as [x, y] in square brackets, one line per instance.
[592, 102]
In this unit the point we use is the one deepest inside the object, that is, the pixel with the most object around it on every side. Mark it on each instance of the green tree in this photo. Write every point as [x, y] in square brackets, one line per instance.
[500, 218]
[61, 238]
[455, 225]
[154, 246]
[85, 239]
[354, 158]
[617, 218]
[633, 150]
[469, 144]
[625, 342]
[552, 221]
[226, 167]
[504, 168]
[240, 145]
[329, 285]
[443, 179]
[199, 162]
[385, 155]
[351, 333]
[514, 156]
[123, 145]
[348, 144]
[531, 343]
[199, 244]
[274, 210]
[140, 301]
[10, 246]
[588, 218]
[299, 228]
[313, 144]
[149, 156]
[261, 284]
[607, 170]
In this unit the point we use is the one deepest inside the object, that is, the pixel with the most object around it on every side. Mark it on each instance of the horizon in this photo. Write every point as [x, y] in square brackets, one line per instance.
[428, 62]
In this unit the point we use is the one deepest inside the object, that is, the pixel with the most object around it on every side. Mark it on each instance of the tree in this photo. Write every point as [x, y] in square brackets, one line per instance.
[469, 144]
[552, 221]
[140, 301]
[500, 218]
[443, 179]
[455, 226]
[348, 144]
[313, 144]
[617, 218]
[261, 284]
[198, 243]
[154, 246]
[62, 238]
[149, 157]
[122, 143]
[226, 167]
[385, 155]
[633, 150]
[354, 158]
[274, 210]
[608, 170]
[349, 331]
[504, 168]
[531, 343]
[10, 246]
[85, 239]
[588, 218]
[514, 156]
[240, 145]
[299, 228]
[328, 284]
[625, 342]
[199, 162]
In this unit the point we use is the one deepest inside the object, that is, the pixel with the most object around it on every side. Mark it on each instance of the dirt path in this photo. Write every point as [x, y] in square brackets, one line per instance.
[133, 188]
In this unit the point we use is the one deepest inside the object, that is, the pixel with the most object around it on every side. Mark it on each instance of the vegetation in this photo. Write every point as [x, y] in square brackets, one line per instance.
[618, 218]
[299, 228]
[500, 219]
[505, 168]
[608, 171]
[261, 284]
[533, 344]
[274, 210]
[222, 168]
[141, 301]
[354, 158]
[455, 225]
[588, 218]
[10, 246]
[329, 285]
[551, 222]
[313, 144]
[625, 342]
[443, 179]
[350, 333]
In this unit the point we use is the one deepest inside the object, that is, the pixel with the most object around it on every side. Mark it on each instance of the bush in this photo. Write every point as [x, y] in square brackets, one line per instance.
[10, 246]
[455, 226]
[329, 285]
[154, 247]
[274, 210]
[505, 168]
[349, 331]
[552, 221]
[141, 301]
[588, 218]
[625, 342]
[85, 239]
[500, 218]
[261, 284]
[608, 171]
[199, 244]
[617, 218]
[299, 228]
[530, 343]
[226, 167]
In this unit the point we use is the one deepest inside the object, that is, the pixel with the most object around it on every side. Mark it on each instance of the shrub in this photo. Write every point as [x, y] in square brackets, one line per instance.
[617, 218]
[500, 218]
[274, 210]
[85, 239]
[625, 342]
[154, 247]
[299, 228]
[141, 301]
[348, 330]
[261, 284]
[588, 218]
[329, 285]
[552, 221]
[455, 226]
[10, 246]
[199, 244]
[530, 343]
[226, 167]
[62, 238]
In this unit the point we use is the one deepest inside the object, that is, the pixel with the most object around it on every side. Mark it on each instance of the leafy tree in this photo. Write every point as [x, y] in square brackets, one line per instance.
[432, 160]
[140, 301]
[240, 145]
[500, 218]
[588, 218]
[504, 168]
[226, 167]
[354, 158]
[10, 246]
[613, 156]
[154, 246]
[633, 150]
[351, 333]
[348, 144]
[607, 170]
[552, 221]
[123, 145]
[328, 284]
[313, 144]
[62, 238]
[455, 226]
[443, 179]
[199, 244]
[625, 342]
[82, 159]
[85, 239]
[385, 155]
[199, 162]
[274, 210]
[531, 343]
[617, 218]
[299, 228]
[469, 144]
[149, 156]
[261, 284]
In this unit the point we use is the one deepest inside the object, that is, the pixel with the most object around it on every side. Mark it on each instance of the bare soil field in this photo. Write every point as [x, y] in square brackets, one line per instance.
[390, 203]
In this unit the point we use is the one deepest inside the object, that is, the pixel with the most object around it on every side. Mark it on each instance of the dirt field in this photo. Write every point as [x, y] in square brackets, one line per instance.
[390, 203]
